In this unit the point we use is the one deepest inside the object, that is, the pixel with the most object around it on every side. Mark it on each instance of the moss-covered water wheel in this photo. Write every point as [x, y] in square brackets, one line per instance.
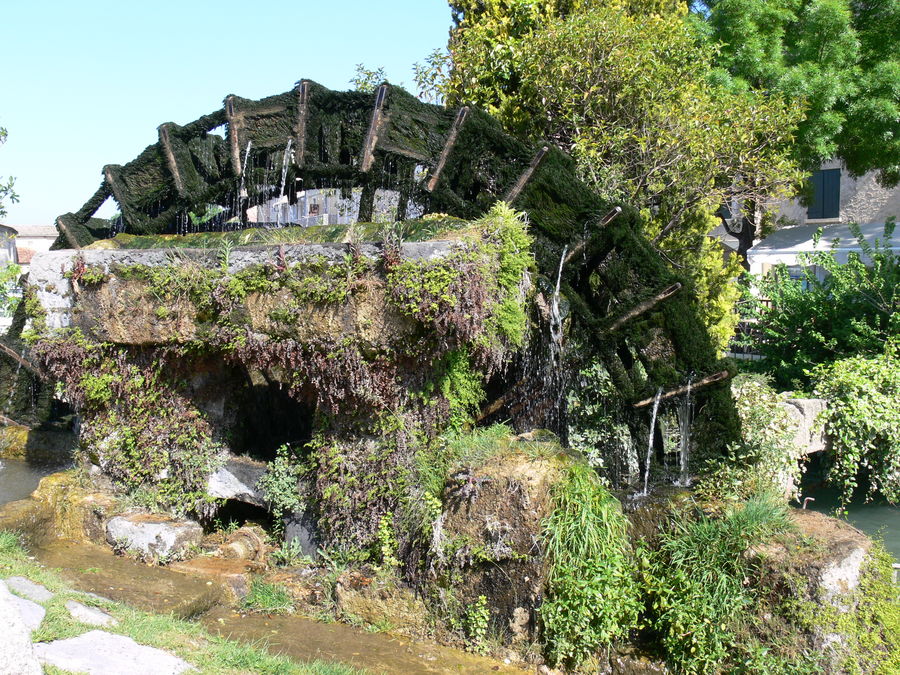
[385, 155]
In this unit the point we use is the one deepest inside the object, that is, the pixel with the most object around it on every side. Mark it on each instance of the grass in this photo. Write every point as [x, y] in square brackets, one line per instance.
[265, 597]
[208, 653]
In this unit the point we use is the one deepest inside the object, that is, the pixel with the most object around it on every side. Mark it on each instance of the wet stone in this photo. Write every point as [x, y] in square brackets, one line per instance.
[100, 653]
[153, 537]
[90, 615]
[28, 589]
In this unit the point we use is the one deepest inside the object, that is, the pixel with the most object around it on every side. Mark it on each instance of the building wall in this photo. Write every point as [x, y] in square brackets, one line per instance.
[862, 201]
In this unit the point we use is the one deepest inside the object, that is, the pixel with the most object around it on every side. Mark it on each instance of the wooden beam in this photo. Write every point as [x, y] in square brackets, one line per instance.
[606, 220]
[300, 126]
[368, 151]
[21, 360]
[526, 176]
[66, 232]
[91, 205]
[448, 147]
[166, 143]
[498, 403]
[645, 306]
[9, 422]
[704, 382]
[233, 134]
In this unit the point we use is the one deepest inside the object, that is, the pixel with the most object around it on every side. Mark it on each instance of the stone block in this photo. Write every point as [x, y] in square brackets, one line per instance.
[153, 537]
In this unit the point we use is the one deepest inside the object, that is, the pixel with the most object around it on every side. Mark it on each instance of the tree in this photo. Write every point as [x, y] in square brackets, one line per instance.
[367, 80]
[631, 92]
[839, 56]
[6, 188]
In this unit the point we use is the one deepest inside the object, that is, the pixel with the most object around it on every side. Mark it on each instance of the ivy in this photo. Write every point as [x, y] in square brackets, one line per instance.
[863, 421]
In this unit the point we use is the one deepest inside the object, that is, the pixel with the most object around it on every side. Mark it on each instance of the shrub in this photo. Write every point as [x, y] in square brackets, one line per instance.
[696, 582]
[863, 421]
[766, 456]
[591, 598]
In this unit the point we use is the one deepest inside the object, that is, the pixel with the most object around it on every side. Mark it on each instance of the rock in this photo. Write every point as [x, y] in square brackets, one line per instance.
[100, 653]
[490, 531]
[301, 527]
[246, 543]
[16, 654]
[234, 574]
[628, 661]
[804, 412]
[32, 613]
[380, 603]
[28, 589]
[90, 615]
[153, 537]
[237, 479]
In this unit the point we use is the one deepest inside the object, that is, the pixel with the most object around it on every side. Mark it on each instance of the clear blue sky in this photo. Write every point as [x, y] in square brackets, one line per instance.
[86, 83]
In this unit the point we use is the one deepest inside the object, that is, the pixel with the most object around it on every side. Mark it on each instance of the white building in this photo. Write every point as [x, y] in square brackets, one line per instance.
[32, 239]
[838, 200]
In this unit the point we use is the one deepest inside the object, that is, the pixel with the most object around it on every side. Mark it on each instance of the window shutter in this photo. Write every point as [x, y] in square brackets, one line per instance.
[826, 201]
[815, 206]
[831, 191]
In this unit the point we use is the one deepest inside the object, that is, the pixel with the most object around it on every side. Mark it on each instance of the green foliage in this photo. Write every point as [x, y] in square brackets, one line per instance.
[476, 624]
[698, 600]
[387, 542]
[590, 597]
[280, 483]
[863, 421]
[367, 80]
[266, 597]
[461, 386]
[7, 190]
[855, 310]
[474, 293]
[630, 93]
[289, 554]
[9, 278]
[766, 455]
[137, 423]
[832, 54]
[454, 450]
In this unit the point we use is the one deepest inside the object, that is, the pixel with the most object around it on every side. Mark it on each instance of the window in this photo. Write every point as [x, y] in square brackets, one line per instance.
[826, 201]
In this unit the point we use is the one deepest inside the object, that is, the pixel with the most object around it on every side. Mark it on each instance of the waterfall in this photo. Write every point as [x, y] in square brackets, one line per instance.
[685, 413]
[242, 193]
[650, 442]
[555, 318]
[284, 166]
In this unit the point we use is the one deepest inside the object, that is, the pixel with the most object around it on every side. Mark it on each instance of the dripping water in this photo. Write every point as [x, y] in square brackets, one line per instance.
[555, 318]
[685, 413]
[284, 166]
[242, 193]
[650, 443]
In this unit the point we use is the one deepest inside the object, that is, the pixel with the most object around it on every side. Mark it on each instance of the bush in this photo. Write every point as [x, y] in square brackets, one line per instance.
[854, 311]
[766, 456]
[699, 600]
[591, 598]
[863, 421]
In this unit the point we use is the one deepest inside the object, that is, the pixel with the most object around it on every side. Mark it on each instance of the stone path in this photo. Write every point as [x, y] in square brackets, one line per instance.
[94, 652]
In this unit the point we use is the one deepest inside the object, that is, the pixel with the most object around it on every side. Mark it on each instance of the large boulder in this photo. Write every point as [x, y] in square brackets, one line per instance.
[491, 532]
[153, 537]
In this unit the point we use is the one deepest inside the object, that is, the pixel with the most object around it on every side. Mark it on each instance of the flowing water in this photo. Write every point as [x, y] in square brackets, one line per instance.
[685, 415]
[555, 317]
[19, 478]
[650, 443]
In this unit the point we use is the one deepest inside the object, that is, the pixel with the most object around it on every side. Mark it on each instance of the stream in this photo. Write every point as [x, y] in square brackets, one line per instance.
[96, 569]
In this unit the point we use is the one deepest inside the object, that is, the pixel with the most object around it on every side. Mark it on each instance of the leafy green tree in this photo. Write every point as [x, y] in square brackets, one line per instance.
[631, 93]
[367, 80]
[839, 56]
[9, 299]
[808, 322]
[6, 188]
